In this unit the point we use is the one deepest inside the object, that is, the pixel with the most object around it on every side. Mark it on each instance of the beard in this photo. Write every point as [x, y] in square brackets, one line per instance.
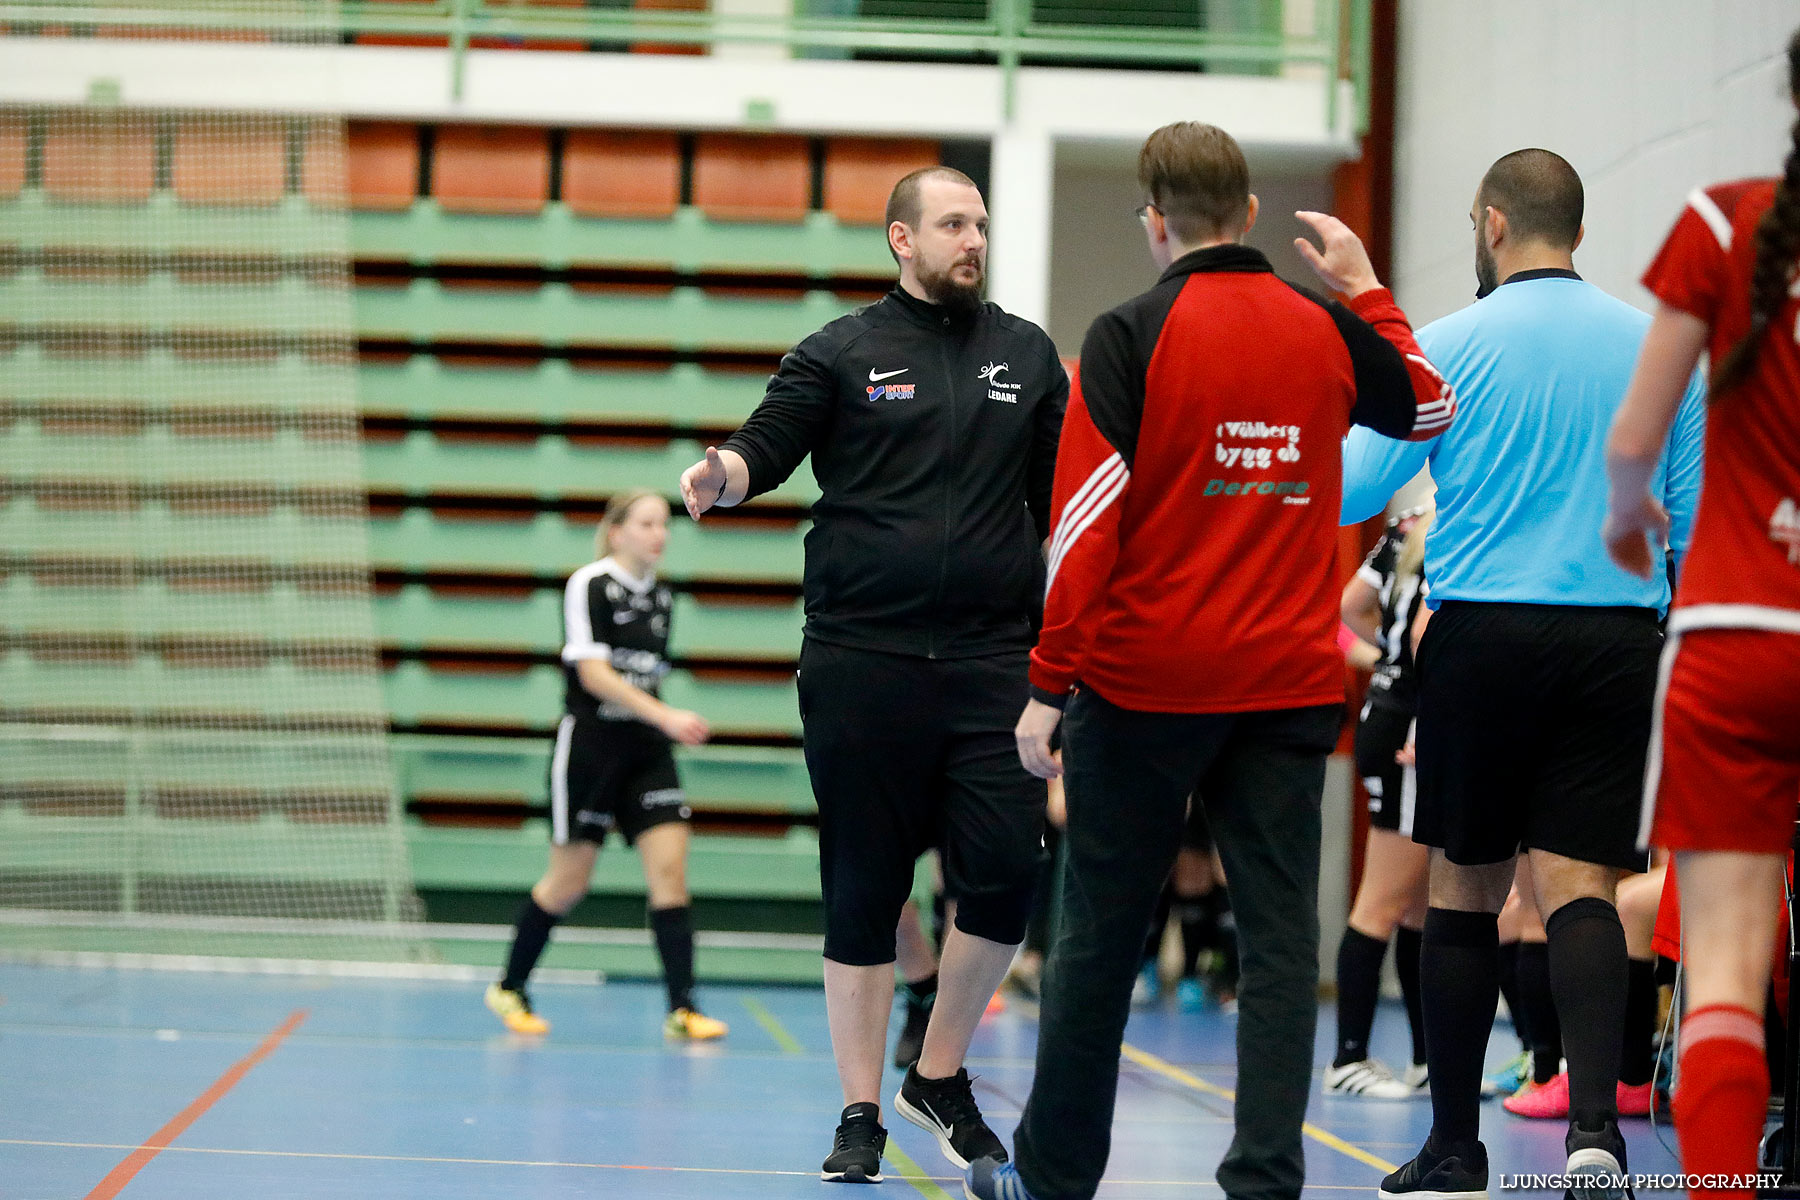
[941, 288]
[1487, 275]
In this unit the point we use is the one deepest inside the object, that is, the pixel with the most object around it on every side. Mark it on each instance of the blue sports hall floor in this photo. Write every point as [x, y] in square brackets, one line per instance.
[156, 1085]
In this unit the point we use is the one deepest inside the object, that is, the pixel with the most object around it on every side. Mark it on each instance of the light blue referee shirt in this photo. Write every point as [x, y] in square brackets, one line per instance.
[1539, 369]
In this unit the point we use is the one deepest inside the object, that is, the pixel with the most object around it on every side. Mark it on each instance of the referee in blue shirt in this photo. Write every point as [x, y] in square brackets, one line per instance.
[1537, 670]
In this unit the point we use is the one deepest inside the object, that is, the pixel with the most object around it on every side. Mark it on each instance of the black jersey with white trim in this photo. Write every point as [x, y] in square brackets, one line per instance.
[610, 615]
[1400, 599]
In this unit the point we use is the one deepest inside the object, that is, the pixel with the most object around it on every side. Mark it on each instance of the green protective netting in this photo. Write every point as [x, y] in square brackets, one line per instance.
[193, 742]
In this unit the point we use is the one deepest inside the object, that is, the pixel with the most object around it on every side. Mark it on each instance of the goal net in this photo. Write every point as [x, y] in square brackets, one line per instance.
[193, 745]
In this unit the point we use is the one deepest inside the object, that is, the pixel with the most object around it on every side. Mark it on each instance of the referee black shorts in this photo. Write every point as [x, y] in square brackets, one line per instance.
[1381, 733]
[1534, 722]
[907, 754]
[612, 775]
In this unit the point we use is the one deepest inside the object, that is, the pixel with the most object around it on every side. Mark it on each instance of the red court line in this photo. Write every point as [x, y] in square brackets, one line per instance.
[159, 1141]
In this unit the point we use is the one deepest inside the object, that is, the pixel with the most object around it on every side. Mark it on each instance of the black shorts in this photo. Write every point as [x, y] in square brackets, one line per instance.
[1381, 733]
[1534, 722]
[907, 754]
[612, 774]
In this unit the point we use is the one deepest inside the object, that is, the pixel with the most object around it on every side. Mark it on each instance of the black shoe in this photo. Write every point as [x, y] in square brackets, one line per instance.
[1453, 1172]
[911, 1042]
[946, 1107]
[1597, 1164]
[856, 1150]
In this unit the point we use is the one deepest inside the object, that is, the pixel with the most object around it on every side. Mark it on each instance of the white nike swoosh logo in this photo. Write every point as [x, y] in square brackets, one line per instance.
[877, 376]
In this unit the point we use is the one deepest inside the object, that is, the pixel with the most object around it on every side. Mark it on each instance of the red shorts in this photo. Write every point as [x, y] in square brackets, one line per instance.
[1728, 721]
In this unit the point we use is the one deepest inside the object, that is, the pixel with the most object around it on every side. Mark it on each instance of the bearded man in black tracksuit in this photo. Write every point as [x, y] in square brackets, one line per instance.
[932, 419]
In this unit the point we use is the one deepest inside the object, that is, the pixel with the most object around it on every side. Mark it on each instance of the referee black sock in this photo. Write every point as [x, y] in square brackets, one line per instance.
[531, 932]
[1509, 988]
[1358, 990]
[1539, 1004]
[1460, 971]
[674, 932]
[1589, 973]
[1406, 966]
[1637, 1057]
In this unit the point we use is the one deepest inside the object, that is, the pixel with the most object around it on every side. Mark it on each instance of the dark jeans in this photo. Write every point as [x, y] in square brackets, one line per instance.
[1260, 776]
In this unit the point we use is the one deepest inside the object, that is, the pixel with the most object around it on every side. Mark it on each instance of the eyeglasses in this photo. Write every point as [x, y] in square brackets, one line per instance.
[1143, 213]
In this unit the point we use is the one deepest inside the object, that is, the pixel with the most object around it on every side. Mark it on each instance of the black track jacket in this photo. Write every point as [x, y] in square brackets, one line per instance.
[934, 443]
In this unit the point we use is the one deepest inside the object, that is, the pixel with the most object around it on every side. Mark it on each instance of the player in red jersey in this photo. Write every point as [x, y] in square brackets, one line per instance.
[1724, 772]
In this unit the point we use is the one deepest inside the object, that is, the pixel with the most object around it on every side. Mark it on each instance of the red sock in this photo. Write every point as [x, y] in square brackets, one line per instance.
[1721, 1094]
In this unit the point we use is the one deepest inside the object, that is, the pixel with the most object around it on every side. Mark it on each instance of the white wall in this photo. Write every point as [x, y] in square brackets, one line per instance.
[1097, 254]
[1647, 98]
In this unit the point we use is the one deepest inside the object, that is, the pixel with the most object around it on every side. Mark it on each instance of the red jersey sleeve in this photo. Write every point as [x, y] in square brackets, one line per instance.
[1692, 270]
[1092, 477]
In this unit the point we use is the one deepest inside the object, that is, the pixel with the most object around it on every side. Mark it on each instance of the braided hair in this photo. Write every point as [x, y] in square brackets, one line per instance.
[1777, 250]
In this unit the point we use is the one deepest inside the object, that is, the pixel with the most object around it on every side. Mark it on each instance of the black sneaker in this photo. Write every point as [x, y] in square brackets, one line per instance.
[1597, 1164]
[946, 1107]
[1454, 1172]
[856, 1150]
[911, 1042]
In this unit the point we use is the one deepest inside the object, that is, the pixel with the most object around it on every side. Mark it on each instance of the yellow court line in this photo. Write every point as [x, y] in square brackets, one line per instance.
[1324, 1137]
[915, 1175]
[788, 1043]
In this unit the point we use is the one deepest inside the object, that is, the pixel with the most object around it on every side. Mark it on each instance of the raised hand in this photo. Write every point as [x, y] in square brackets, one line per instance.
[1344, 264]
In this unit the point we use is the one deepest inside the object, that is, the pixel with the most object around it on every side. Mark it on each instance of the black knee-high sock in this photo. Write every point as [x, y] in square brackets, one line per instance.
[1637, 1057]
[1358, 991]
[1154, 938]
[531, 931]
[1538, 1002]
[1406, 965]
[1459, 969]
[1199, 930]
[674, 931]
[1509, 988]
[1589, 972]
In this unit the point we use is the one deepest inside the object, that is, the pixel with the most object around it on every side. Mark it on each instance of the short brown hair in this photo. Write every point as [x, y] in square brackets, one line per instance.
[1195, 175]
[904, 204]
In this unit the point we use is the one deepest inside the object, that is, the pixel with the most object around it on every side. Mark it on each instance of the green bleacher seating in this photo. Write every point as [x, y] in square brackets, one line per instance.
[156, 609]
[158, 455]
[159, 382]
[276, 689]
[552, 392]
[718, 779]
[531, 698]
[785, 868]
[548, 543]
[818, 246]
[557, 315]
[550, 466]
[417, 616]
[157, 531]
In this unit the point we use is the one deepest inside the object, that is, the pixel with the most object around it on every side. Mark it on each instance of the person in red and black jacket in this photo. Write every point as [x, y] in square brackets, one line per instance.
[1192, 612]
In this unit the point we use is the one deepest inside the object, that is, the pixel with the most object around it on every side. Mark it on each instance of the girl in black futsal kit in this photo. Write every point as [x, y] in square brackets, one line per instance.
[1380, 605]
[612, 766]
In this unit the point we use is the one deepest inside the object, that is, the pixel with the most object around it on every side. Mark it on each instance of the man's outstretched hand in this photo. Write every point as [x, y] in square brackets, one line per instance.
[703, 484]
